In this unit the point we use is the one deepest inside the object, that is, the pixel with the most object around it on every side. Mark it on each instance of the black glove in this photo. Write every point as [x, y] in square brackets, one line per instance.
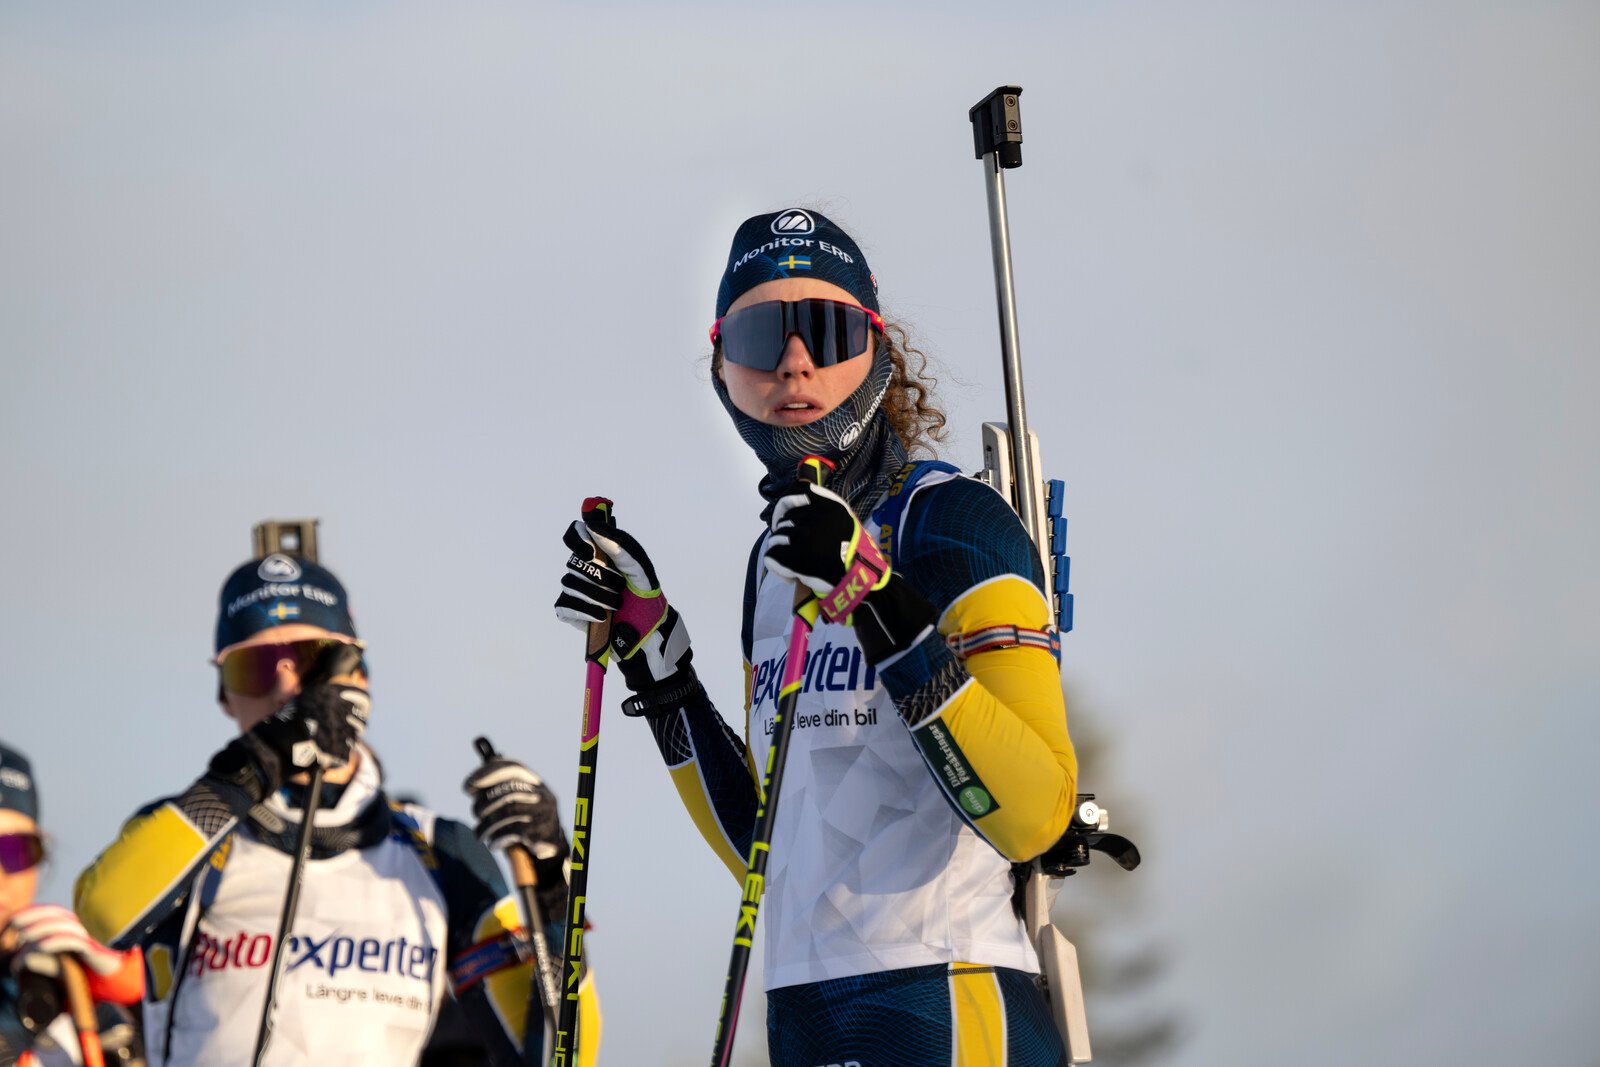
[320, 724]
[514, 808]
[609, 576]
[818, 541]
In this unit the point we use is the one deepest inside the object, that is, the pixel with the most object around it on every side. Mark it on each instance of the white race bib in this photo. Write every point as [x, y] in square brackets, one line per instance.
[870, 869]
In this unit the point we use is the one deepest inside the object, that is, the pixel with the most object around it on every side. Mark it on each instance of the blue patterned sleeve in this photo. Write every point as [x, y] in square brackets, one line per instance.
[707, 759]
[957, 536]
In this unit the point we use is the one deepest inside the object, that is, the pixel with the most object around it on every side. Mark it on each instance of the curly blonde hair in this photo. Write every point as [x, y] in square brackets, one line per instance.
[908, 400]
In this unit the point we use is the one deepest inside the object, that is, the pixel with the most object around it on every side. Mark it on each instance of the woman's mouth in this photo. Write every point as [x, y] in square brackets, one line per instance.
[796, 412]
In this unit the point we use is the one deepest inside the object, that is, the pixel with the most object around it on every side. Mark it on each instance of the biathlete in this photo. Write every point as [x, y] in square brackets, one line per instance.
[399, 909]
[930, 750]
[35, 937]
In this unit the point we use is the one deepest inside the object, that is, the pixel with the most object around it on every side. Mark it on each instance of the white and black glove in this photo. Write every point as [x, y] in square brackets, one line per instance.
[515, 809]
[609, 576]
[818, 541]
[46, 932]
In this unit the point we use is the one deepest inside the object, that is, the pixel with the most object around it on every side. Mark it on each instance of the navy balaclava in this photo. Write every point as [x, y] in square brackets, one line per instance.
[856, 435]
[279, 590]
[17, 789]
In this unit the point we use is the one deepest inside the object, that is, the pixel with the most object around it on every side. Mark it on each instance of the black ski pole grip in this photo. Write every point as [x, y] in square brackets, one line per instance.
[522, 869]
[814, 470]
[598, 509]
[997, 126]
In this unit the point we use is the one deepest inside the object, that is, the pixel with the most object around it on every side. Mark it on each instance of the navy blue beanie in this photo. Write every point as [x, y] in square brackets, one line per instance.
[794, 243]
[277, 591]
[17, 791]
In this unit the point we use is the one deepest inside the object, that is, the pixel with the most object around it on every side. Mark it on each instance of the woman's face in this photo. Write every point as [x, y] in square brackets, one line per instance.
[16, 890]
[798, 391]
[247, 710]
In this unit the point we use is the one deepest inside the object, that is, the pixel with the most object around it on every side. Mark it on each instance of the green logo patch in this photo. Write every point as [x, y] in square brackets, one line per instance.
[953, 769]
[976, 801]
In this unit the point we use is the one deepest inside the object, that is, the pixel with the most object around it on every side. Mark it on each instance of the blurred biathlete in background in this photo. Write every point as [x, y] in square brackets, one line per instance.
[930, 748]
[35, 1027]
[399, 909]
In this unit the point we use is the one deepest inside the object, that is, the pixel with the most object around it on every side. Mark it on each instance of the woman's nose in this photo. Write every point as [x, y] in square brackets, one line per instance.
[796, 361]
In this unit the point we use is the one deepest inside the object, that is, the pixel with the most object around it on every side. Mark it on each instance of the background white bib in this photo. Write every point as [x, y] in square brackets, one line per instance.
[363, 974]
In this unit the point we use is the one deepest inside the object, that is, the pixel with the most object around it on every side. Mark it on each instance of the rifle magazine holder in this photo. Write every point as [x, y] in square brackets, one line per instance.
[999, 473]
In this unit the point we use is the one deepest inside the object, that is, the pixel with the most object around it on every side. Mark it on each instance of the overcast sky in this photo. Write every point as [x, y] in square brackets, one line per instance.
[1308, 312]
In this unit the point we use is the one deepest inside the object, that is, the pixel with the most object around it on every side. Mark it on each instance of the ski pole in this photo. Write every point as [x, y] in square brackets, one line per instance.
[597, 652]
[527, 879]
[331, 664]
[80, 1004]
[813, 469]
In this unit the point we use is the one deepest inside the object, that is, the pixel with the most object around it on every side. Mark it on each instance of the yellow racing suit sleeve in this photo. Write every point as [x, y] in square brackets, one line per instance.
[987, 714]
[1011, 721]
[145, 873]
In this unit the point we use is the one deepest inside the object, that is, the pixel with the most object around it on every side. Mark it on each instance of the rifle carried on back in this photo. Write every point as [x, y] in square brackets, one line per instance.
[1011, 467]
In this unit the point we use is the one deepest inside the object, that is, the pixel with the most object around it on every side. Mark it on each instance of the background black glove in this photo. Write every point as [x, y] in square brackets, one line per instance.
[514, 808]
[321, 724]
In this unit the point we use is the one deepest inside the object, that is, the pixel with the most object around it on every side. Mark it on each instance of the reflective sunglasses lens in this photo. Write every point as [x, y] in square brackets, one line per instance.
[20, 852]
[832, 332]
[837, 331]
[813, 321]
[754, 336]
[252, 671]
[857, 325]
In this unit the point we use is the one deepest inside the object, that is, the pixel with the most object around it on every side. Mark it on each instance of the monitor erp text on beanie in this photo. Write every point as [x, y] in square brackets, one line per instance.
[17, 791]
[277, 591]
[795, 243]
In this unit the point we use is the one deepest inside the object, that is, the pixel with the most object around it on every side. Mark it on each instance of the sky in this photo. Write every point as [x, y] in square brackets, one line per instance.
[1307, 311]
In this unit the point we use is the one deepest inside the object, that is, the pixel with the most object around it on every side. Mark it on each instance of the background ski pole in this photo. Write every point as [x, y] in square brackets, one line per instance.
[527, 879]
[335, 661]
[597, 653]
[37, 1009]
[813, 469]
[80, 1004]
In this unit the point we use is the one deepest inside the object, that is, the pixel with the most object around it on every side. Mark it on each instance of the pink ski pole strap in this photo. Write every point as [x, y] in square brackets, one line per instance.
[867, 571]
